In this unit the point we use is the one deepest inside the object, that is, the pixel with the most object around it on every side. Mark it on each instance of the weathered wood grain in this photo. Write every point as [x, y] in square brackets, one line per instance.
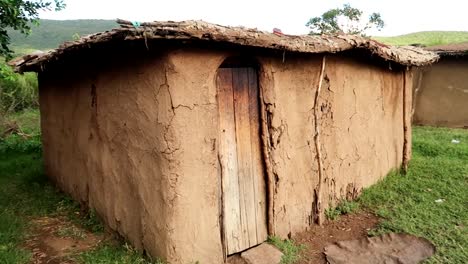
[228, 158]
[244, 193]
[244, 153]
[257, 164]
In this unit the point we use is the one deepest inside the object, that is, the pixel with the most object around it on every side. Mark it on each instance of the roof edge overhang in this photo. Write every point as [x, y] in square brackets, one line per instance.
[239, 36]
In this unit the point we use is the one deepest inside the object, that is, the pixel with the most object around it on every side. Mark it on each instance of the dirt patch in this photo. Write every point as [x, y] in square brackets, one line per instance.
[352, 226]
[56, 241]
[389, 248]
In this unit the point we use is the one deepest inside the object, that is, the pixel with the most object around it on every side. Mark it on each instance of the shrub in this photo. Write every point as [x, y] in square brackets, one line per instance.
[17, 92]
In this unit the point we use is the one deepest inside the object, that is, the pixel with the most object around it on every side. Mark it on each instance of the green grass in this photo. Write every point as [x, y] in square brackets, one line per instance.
[291, 250]
[28, 120]
[427, 38]
[25, 194]
[343, 207]
[407, 203]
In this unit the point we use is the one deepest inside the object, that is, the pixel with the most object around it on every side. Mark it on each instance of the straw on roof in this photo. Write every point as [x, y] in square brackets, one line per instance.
[203, 31]
[453, 49]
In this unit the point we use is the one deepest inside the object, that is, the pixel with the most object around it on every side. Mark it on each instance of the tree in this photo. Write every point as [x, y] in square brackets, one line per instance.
[347, 20]
[20, 15]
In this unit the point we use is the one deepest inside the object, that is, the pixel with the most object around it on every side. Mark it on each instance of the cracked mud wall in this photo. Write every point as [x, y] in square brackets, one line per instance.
[442, 97]
[137, 142]
[136, 138]
[361, 128]
[361, 113]
[288, 96]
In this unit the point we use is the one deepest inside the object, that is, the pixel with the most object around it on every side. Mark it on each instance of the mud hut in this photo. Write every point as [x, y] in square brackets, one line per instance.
[441, 90]
[196, 141]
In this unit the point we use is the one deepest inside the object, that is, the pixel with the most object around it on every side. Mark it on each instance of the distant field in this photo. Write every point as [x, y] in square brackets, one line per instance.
[427, 38]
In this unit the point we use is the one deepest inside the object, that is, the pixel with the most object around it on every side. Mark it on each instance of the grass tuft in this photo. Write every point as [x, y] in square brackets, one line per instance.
[291, 250]
[343, 207]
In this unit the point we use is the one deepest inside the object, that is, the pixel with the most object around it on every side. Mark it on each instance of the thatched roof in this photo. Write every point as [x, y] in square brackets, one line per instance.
[202, 31]
[453, 49]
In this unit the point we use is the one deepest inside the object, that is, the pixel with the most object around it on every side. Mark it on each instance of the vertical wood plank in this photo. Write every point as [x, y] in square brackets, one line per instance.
[256, 163]
[228, 158]
[244, 155]
[244, 187]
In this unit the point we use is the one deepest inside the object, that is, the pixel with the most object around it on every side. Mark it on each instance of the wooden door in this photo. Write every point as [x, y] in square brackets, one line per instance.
[243, 181]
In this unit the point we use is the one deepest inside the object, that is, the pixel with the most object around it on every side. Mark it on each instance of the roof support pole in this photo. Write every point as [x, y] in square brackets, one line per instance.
[319, 211]
[407, 101]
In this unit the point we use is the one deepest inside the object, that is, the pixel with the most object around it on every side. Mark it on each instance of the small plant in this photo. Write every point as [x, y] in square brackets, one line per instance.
[343, 207]
[291, 250]
[332, 214]
[347, 207]
[92, 221]
[71, 231]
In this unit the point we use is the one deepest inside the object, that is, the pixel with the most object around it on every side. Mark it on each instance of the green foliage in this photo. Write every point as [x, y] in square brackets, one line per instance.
[426, 38]
[28, 122]
[18, 15]
[51, 33]
[20, 144]
[343, 207]
[332, 214]
[291, 250]
[17, 92]
[437, 172]
[347, 20]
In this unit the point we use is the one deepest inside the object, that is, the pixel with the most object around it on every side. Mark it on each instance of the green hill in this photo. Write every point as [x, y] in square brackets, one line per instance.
[427, 38]
[51, 33]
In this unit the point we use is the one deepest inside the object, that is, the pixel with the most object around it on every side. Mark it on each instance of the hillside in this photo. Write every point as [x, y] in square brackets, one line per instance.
[427, 38]
[51, 33]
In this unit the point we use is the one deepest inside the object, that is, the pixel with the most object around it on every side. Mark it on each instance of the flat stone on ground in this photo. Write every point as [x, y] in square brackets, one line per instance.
[262, 254]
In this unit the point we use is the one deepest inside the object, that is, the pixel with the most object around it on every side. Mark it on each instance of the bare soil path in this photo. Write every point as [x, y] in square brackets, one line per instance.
[347, 227]
[55, 240]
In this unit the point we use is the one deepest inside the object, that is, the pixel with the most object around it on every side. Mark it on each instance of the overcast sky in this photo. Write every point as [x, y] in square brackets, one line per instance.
[400, 16]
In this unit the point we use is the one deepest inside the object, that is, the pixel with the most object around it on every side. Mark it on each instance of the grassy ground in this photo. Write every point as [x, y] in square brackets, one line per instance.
[430, 201]
[26, 194]
[427, 38]
[28, 120]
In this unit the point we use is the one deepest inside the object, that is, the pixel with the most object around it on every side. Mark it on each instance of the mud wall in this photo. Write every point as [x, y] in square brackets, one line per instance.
[288, 90]
[441, 96]
[136, 139]
[362, 119]
[360, 115]
[137, 142]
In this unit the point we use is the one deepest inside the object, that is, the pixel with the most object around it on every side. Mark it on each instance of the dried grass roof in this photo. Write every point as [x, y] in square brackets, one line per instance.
[453, 49]
[199, 30]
